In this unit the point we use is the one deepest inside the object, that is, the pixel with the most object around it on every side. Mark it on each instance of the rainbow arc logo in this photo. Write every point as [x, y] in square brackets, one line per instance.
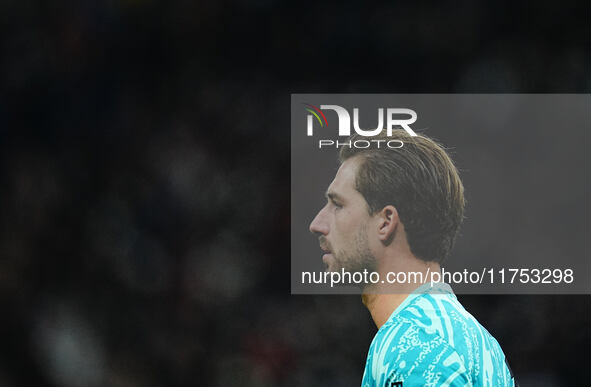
[316, 111]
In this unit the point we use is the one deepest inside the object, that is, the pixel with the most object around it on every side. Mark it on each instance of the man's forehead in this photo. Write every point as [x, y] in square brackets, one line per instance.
[344, 180]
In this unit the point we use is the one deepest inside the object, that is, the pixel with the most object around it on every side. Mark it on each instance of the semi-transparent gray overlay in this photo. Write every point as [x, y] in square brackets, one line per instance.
[525, 163]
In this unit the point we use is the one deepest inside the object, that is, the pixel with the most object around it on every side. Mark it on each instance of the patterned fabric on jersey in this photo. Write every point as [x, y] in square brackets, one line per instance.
[431, 340]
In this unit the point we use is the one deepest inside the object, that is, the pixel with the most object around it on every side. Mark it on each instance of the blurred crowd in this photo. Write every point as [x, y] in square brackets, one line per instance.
[145, 194]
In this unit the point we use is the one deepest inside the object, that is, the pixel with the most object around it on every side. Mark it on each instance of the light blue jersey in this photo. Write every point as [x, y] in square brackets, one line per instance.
[431, 340]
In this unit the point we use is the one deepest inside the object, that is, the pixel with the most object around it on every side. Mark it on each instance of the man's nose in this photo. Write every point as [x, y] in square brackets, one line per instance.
[319, 225]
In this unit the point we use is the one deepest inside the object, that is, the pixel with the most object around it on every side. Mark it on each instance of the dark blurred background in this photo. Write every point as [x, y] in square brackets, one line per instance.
[144, 185]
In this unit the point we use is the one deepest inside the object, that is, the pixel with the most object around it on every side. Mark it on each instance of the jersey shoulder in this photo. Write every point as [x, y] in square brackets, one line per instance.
[434, 341]
[408, 354]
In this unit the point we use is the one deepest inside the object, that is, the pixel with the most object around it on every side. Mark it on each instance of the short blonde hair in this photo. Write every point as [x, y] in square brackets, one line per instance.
[421, 181]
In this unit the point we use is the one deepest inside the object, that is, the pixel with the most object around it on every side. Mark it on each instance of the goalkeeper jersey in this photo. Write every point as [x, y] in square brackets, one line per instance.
[431, 340]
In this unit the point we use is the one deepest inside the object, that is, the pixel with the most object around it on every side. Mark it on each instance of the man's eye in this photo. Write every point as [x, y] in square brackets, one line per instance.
[337, 206]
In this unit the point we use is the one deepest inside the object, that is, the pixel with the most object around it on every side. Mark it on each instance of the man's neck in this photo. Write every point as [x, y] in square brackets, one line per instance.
[382, 302]
[381, 306]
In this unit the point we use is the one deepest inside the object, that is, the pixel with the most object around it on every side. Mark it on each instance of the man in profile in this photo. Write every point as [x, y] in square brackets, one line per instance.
[399, 210]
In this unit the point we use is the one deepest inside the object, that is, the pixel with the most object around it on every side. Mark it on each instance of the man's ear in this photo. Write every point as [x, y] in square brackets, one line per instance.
[388, 221]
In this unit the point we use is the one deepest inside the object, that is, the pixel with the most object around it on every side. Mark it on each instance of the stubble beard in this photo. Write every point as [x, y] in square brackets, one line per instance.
[358, 257]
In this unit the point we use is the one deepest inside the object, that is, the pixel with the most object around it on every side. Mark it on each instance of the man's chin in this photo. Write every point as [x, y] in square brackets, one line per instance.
[330, 263]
